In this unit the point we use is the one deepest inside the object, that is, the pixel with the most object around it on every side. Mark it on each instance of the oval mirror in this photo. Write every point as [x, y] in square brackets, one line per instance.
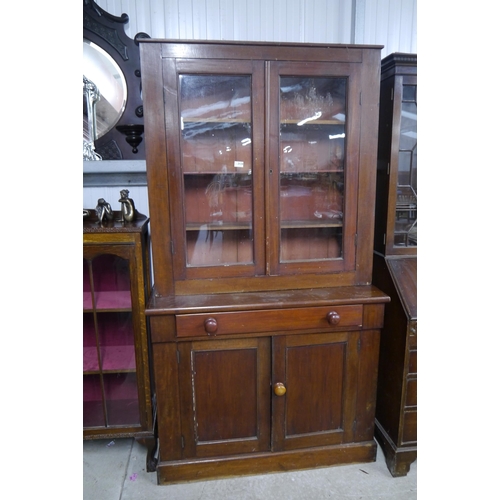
[104, 72]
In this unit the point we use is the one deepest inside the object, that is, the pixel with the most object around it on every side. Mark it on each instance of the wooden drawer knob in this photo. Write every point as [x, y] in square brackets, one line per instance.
[279, 389]
[211, 325]
[333, 318]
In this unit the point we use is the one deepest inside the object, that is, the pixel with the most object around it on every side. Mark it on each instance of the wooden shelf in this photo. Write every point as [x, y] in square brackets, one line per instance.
[214, 120]
[115, 359]
[108, 301]
[231, 226]
[225, 226]
[312, 122]
[310, 224]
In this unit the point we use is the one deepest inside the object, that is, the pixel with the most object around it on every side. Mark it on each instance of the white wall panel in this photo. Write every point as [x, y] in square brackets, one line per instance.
[262, 20]
[392, 23]
[112, 194]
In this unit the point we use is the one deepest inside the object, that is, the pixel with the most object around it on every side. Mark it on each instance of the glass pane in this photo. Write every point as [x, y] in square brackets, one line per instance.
[111, 278]
[110, 392]
[216, 147]
[93, 407]
[87, 294]
[405, 231]
[312, 145]
[122, 402]
[116, 339]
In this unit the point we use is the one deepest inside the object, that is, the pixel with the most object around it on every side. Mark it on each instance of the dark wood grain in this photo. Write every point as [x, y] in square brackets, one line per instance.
[395, 272]
[266, 363]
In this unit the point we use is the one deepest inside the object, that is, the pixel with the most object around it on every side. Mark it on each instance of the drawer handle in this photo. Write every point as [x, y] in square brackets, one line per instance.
[333, 318]
[211, 325]
[279, 389]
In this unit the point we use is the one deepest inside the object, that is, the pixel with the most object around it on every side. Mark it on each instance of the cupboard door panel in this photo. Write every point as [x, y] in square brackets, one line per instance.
[307, 409]
[227, 385]
[235, 391]
[318, 372]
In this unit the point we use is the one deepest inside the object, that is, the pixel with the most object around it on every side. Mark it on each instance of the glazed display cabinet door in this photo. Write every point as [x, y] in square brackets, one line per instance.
[396, 211]
[313, 178]
[404, 206]
[110, 391]
[224, 387]
[217, 184]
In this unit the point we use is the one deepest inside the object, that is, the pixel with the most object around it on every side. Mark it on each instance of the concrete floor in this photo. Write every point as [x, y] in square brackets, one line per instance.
[116, 470]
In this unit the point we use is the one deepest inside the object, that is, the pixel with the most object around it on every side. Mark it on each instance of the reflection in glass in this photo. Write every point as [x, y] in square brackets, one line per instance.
[405, 233]
[312, 147]
[216, 157]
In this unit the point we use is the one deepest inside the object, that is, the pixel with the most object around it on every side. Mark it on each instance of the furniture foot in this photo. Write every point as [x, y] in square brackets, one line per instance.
[398, 460]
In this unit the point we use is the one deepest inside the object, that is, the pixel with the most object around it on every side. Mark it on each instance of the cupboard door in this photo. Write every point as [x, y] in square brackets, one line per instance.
[402, 202]
[216, 175]
[110, 385]
[318, 374]
[315, 114]
[224, 387]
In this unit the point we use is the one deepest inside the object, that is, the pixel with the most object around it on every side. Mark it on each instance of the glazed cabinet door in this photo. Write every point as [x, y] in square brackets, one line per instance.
[314, 389]
[402, 200]
[314, 137]
[112, 377]
[224, 391]
[396, 207]
[258, 169]
[215, 119]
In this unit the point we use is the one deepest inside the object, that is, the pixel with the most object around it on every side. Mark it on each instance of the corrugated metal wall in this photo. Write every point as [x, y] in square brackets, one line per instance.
[392, 23]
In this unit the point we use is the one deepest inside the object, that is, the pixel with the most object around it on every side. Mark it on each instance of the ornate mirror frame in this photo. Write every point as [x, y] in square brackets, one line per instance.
[125, 140]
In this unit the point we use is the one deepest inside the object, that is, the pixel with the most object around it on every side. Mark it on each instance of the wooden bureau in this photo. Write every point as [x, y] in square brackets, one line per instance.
[395, 261]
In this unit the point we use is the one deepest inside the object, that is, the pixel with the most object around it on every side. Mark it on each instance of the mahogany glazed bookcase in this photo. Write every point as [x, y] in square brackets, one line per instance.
[261, 165]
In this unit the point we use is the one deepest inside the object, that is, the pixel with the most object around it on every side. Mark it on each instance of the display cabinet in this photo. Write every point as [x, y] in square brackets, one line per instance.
[117, 392]
[395, 261]
[261, 164]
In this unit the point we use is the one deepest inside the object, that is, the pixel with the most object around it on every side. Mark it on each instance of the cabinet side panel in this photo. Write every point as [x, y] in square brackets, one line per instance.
[383, 163]
[370, 96]
[156, 159]
[393, 345]
[373, 316]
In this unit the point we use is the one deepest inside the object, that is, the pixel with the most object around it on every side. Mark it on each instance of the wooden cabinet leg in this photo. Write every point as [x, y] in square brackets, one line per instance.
[399, 464]
[398, 460]
[151, 443]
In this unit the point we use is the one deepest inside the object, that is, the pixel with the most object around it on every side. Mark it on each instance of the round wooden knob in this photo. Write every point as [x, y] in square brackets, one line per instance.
[333, 318]
[211, 325]
[279, 389]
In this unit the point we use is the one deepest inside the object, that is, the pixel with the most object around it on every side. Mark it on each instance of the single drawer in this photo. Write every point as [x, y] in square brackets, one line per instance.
[409, 427]
[411, 392]
[332, 318]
